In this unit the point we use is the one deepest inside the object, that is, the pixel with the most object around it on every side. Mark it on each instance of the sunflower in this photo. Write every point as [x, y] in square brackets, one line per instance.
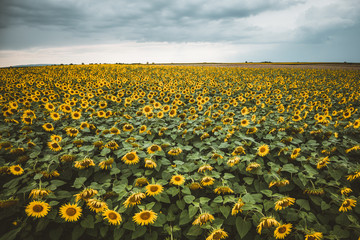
[296, 118]
[76, 115]
[217, 234]
[175, 151]
[72, 132]
[322, 162]
[139, 182]
[145, 217]
[16, 170]
[130, 158]
[282, 231]
[26, 120]
[97, 205]
[205, 167]
[207, 181]
[295, 153]
[142, 129]
[48, 127]
[149, 163]
[251, 166]
[284, 202]
[70, 212]
[314, 191]
[177, 180]
[263, 150]
[112, 145]
[233, 161]
[114, 130]
[267, 222]
[54, 146]
[203, 218]
[244, 122]
[134, 199]
[153, 148]
[245, 111]
[113, 217]
[147, 109]
[56, 138]
[85, 194]
[39, 193]
[194, 186]
[128, 127]
[153, 189]
[55, 116]
[237, 207]
[251, 130]
[84, 125]
[238, 150]
[85, 163]
[37, 209]
[223, 190]
[347, 204]
[314, 236]
[106, 163]
[345, 191]
[66, 108]
[172, 112]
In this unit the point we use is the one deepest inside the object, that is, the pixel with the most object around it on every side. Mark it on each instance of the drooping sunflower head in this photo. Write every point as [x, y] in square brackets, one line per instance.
[223, 190]
[107, 163]
[134, 199]
[37, 209]
[267, 222]
[97, 205]
[203, 218]
[139, 182]
[70, 212]
[128, 127]
[39, 193]
[207, 181]
[217, 234]
[149, 163]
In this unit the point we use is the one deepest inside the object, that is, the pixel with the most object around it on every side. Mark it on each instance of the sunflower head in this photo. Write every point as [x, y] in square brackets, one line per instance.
[130, 158]
[70, 212]
[37, 209]
[153, 189]
[145, 217]
[113, 217]
[177, 180]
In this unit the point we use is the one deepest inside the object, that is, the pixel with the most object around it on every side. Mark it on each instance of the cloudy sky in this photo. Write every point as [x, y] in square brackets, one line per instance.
[163, 31]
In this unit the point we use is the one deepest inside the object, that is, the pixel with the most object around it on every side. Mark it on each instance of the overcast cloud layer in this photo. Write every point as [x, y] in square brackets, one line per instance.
[67, 31]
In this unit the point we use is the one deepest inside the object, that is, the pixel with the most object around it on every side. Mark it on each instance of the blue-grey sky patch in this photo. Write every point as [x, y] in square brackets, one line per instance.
[256, 30]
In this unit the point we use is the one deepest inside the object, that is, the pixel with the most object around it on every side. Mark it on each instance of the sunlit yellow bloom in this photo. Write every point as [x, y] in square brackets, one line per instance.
[37, 209]
[70, 212]
[203, 218]
[177, 180]
[145, 217]
[347, 204]
[282, 231]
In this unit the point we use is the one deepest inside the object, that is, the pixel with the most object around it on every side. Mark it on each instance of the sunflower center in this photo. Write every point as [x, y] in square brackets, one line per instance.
[70, 211]
[130, 156]
[128, 127]
[17, 169]
[48, 125]
[262, 149]
[154, 148]
[282, 230]
[38, 208]
[112, 216]
[217, 236]
[177, 179]
[145, 216]
[284, 204]
[346, 203]
[154, 188]
[312, 238]
[55, 145]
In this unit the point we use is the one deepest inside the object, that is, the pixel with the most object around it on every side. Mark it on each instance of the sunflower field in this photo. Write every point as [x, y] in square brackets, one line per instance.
[179, 152]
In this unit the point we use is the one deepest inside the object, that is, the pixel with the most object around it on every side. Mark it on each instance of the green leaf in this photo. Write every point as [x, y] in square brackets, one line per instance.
[218, 199]
[118, 233]
[225, 210]
[103, 230]
[130, 225]
[88, 222]
[150, 205]
[290, 168]
[204, 200]
[180, 204]
[242, 226]
[105, 151]
[114, 171]
[184, 218]
[324, 206]
[141, 230]
[173, 191]
[11, 235]
[228, 176]
[58, 183]
[192, 210]
[189, 199]
[248, 180]
[303, 204]
[55, 233]
[195, 231]
[79, 182]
